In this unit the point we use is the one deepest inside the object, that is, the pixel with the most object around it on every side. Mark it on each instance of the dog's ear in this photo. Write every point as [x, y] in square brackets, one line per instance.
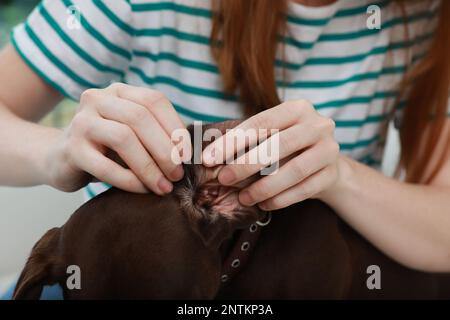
[212, 209]
[42, 268]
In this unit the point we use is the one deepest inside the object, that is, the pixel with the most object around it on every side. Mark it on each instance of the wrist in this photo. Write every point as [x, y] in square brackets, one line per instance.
[344, 182]
[46, 152]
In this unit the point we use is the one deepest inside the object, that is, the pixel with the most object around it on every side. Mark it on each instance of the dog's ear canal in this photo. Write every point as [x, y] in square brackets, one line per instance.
[216, 213]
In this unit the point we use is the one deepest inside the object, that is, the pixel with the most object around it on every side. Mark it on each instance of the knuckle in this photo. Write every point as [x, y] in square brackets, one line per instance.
[332, 124]
[117, 86]
[122, 136]
[80, 124]
[294, 108]
[166, 159]
[324, 126]
[260, 121]
[148, 171]
[260, 191]
[289, 141]
[100, 170]
[154, 96]
[89, 96]
[304, 105]
[328, 125]
[307, 190]
[129, 183]
[299, 169]
[275, 203]
[137, 115]
[299, 108]
[330, 147]
[334, 147]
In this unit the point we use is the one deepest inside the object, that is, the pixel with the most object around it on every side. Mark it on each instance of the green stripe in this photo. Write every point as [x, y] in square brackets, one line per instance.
[356, 57]
[199, 116]
[369, 160]
[360, 122]
[82, 53]
[99, 37]
[337, 83]
[178, 60]
[38, 71]
[58, 63]
[107, 185]
[90, 192]
[296, 43]
[359, 144]
[369, 32]
[181, 86]
[180, 35]
[343, 13]
[171, 6]
[359, 10]
[308, 22]
[357, 100]
[122, 25]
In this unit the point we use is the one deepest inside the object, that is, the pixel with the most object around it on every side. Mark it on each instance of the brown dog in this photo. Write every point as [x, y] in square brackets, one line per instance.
[184, 246]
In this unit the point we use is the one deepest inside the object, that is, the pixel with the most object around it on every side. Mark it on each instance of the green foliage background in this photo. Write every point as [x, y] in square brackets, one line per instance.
[13, 12]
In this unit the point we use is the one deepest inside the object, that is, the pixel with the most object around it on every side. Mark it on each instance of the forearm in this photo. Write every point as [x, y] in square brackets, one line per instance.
[23, 150]
[410, 223]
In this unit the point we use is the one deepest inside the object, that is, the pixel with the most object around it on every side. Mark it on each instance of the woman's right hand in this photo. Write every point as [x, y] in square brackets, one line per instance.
[136, 123]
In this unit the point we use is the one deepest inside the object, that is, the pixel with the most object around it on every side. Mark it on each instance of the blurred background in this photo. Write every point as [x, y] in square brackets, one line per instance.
[27, 213]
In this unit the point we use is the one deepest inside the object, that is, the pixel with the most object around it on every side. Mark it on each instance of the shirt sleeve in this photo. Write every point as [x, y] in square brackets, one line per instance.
[75, 45]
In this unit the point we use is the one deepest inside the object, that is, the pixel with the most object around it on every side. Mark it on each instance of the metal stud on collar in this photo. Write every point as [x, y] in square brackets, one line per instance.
[245, 246]
[267, 220]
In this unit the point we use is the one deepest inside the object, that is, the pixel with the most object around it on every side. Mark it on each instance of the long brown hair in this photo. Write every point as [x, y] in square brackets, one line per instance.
[245, 43]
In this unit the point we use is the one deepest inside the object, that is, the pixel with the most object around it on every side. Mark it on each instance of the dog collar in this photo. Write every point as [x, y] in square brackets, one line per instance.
[242, 248]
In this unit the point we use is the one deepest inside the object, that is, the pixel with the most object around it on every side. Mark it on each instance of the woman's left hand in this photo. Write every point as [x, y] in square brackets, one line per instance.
[308, 156]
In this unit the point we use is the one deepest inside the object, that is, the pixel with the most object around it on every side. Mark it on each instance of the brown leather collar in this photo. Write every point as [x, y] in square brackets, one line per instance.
[241, 249]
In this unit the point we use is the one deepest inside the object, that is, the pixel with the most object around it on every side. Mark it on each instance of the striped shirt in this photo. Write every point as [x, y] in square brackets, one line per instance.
[351, 73]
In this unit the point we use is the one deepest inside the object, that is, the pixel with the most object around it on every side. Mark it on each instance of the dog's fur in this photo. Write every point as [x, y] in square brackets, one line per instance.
[131, 246]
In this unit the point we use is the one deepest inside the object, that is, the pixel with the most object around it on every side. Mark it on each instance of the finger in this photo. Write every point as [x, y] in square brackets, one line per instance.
[293, 172]
[90, 160]
[149, 131]
[278, 146]
[302, 191]
[255, 128]
[124, 141]
[155, 102]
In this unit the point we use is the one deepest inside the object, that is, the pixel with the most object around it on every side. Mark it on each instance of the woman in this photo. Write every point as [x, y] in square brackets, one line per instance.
[320, 71]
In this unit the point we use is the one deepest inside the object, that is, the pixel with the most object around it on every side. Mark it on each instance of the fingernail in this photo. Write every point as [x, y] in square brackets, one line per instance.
[246, 199]
[165, 186]
[177, 174]
[227, 176]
